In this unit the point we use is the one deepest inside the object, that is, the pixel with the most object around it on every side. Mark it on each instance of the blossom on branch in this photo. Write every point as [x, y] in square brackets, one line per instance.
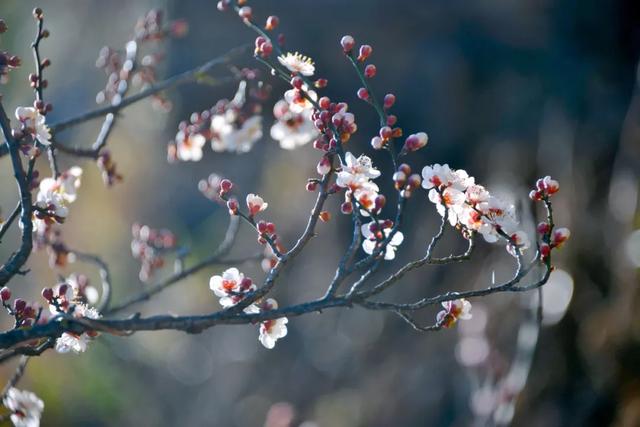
[272, 330]
[297, 64]
[231, 287]
[77, 343]
[454, 310]
[375, 233]
[26, 408]
[33, 123]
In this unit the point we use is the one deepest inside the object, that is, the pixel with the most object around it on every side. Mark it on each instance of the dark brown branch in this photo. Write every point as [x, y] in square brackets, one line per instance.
[18, 259]
[7, 224]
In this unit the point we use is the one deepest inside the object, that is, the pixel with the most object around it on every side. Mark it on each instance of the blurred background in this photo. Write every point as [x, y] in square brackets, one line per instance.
[509, 90]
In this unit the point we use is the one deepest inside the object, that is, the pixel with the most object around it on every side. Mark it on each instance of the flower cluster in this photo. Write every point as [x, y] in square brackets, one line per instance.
[453, 311]
[54, 196]
[26, 408]
[32, 123]
[69, 299]
[123, 69]
[472, 208]
[355, 176]
[24, 314]
[149, 246]
[108, 170]
[551, 237]
[294, 126]
[232, 287]
[7, 61]
[231, 125]
[376, 235]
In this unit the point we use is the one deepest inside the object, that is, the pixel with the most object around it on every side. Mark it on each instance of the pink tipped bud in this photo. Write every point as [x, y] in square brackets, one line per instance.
[5, 294]
[391, 120]
[321, 83]
[47, 294]
[223, 5]
[363, 94]
[324, 103]
[535, 195]
[245, 13]
[324, 216]
[19, 305]
[376, 143]
[225, 187]
[414, 181]
[297, 83]
[543, 228]
[347, 43]
[346, 208]
[232, 205]
[324, 166]
[370, 71]
[399, 179]
[245, 283]
[262, 227]
[416, 141]
[545, 250]
[389, 100]
[365, 52]
[62, 290]
[551, 186]
[271, 228]
[312, 186]
[560, 236]
[380, 201]
[272, 23]
[386, 132]
[405, 168]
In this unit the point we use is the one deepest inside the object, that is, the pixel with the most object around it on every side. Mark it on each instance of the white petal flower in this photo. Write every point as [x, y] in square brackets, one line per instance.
[26, 408]
[255, 204]
[272, 330]
[77, 343]
[298, 103]
[372, 239]
[292, 129]
[297, 64]
[189, 147]
[34, 123]
[436, 176]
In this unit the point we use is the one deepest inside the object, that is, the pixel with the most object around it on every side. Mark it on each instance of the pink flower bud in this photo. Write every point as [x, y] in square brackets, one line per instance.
[347, 43]
[391, 120]
[324, 103]
[389, 100]
[376, 143]
[380, 201]
[324, 166]
[543, 228]
[414, 181]
[416, 141]
[62, 290]
[225, 186]
[405, 168]
[545, 250]
[560, 236]
[232, 205]
[19, 305]
[312, 186]
[262, 227]
[245, 13]
[363, 94]
[297, 82]
[5, 294]
[47, 294]
[385, 133]
[272, 23]
[324, 216]
[346, 208]
[365, 52]
[321, 83]
[370, 71]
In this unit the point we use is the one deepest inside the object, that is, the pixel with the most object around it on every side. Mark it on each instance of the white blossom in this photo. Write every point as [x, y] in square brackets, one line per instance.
[297, 63]
[26, 408]
[34, 123]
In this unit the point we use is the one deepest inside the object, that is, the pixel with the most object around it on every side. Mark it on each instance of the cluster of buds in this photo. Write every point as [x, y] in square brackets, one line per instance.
[385, 135]
[551, 237]
[405, 182]
[335, 123]
[149, 246]
[545, 187]
[124, 69]
[453, 311]
[210, 187]
[7, 61]
[108, 170]
[231, 125]
[25, 314]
